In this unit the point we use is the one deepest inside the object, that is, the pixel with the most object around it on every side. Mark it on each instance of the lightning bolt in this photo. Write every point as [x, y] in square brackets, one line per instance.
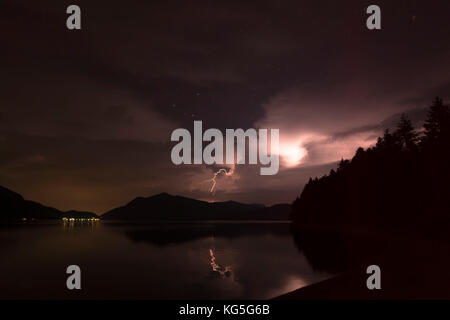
[213, 179]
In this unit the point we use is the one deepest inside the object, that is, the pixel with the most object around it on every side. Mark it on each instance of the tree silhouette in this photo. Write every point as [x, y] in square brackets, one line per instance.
[401, 182]
[405, 133]
[437, 125]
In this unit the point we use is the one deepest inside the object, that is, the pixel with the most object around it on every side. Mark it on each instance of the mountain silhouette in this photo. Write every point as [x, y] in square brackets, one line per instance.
[163, 206]
[14, 207]
[167, 207]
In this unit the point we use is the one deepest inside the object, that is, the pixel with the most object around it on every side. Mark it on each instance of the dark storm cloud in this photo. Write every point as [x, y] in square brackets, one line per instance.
[353, 131]
[86, 116]
[422, 98]
[417, 117]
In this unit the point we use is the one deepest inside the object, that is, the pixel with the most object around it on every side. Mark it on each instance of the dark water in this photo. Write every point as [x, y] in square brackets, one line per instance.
[153, 261]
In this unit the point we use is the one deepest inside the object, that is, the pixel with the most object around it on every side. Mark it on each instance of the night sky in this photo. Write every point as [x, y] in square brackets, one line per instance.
[86, 116]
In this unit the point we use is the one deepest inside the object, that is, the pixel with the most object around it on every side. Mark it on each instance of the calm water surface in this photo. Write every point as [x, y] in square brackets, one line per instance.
[210, 260]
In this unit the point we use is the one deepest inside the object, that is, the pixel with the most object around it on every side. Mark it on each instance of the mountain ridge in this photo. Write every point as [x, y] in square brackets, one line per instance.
[162, 206]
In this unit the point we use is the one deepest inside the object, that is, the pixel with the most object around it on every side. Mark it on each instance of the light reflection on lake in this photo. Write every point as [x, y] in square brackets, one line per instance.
[152, 261]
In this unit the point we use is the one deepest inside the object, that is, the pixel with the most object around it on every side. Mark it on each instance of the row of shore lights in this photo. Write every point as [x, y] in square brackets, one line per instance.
[80, 219]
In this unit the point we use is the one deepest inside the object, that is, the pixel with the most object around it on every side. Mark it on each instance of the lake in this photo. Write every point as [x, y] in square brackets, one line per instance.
[207, 260]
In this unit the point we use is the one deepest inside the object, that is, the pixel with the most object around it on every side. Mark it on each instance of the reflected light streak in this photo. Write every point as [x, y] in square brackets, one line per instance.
[223, 271]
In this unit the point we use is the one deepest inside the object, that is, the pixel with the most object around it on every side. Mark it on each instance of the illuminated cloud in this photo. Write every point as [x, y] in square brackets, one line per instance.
[310, 124]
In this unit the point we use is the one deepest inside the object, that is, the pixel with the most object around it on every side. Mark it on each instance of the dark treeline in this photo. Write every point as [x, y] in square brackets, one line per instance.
[403, 181]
